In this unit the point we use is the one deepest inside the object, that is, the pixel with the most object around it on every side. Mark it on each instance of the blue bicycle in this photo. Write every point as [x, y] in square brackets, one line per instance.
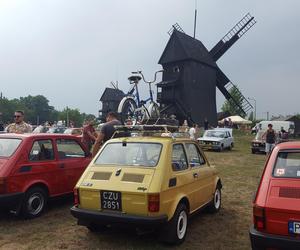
[132, 108]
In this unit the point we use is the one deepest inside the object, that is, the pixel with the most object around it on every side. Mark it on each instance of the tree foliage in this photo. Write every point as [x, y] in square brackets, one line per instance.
[230, 106]
[37, 111]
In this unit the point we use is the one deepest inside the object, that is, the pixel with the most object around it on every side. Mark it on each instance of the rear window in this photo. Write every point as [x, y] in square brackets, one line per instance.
[287, 165]
[8, 146]
[130, 154]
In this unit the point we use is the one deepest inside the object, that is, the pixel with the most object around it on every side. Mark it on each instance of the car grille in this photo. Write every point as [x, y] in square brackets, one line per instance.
[288, 192]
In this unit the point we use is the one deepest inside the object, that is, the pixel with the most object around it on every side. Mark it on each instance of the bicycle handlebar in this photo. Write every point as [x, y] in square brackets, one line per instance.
[139, 72]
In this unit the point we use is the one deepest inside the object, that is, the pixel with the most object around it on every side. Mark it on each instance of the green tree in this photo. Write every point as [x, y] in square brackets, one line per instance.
[71, 115]
[230, 106]
[37, 108]
[251, 116]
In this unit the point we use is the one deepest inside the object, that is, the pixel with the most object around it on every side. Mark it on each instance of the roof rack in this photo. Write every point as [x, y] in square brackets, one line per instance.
[149, 130]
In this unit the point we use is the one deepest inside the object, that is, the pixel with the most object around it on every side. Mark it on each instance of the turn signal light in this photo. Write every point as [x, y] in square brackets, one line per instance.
[76, 196]
[153, 203]
[259, 217]
[2, 185]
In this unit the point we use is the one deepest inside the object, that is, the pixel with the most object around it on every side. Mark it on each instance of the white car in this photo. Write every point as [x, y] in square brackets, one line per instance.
[217, 139]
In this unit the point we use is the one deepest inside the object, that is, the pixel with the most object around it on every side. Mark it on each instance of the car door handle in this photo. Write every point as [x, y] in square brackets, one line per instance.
[195, 175]
[62, 165]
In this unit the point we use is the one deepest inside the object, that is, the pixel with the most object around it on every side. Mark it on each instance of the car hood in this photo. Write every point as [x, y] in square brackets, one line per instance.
[210, 139]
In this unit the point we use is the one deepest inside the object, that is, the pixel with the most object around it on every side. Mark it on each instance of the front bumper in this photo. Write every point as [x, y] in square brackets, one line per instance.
[261, 240]
[210, 146]
[86, 217]
[258, 148]
[10, 201]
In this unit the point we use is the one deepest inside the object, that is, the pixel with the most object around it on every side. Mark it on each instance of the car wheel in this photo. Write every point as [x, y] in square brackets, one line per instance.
[216, 203]
[34, 202]
[175, 231]
[94, 228]
[253, 151]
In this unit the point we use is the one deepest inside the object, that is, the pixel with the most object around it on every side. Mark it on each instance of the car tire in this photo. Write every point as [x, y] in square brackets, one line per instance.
[34, 202]
[175, 231]
[94, 228]
[215, 204]
[253, 151]
[231, 146]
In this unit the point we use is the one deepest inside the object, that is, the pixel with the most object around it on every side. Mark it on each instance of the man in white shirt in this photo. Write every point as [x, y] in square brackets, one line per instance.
[192, 132]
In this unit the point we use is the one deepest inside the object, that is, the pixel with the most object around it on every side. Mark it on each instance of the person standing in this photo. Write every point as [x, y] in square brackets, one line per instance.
[192, 132]
[89, 135]
[270, 137]
[206, 124]
[19, 126]
[106, 132]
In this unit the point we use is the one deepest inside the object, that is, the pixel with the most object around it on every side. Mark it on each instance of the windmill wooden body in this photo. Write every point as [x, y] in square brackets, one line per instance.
[191, 75]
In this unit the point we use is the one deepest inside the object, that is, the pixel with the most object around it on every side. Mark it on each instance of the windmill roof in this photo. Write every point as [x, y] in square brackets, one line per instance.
[184, 47]
[111, 94]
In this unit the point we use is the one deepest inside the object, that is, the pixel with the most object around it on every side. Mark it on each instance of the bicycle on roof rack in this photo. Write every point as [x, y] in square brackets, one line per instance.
[131, 107]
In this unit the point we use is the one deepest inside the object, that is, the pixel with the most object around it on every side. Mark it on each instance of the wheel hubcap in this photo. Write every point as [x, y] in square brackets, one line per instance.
[35, 203]
[217, 199]
[182, 225]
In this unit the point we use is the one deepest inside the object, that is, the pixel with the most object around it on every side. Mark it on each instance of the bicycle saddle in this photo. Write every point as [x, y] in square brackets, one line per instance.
[134, 79]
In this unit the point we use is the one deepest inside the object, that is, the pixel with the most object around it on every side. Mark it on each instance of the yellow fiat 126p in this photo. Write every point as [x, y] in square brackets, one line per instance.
[151, 178]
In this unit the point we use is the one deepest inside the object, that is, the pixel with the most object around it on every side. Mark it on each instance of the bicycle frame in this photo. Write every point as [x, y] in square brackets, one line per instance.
[140, 102]
[135, 93]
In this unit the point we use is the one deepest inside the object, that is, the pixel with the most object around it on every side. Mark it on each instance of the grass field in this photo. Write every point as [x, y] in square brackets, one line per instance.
[240, 172]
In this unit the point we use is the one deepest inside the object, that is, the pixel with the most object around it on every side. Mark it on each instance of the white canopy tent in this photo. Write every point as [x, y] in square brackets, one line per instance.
[236, 119]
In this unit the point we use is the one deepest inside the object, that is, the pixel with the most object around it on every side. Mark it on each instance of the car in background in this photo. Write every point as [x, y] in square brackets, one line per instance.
[258, 144]
[217, 139]
[288, 126]
[147, 182]
[36, 167]
[73, 131]
[56, 130]
[276, 206]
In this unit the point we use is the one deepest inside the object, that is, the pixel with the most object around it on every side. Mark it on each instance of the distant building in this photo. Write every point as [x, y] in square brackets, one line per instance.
[110, 100]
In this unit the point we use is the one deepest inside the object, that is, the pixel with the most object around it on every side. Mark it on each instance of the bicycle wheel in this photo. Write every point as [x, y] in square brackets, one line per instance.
[153, 110]
[127, 108]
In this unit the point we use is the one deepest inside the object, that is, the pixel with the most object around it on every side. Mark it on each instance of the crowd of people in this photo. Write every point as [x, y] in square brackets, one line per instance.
[90, 138]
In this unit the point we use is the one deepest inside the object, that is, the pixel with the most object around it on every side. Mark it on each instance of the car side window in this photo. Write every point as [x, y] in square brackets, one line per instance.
[68, 148]
[179, 160]
[42, 150]
[194, 156]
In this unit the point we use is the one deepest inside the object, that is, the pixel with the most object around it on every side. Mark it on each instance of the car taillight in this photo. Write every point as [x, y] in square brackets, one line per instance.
[2, 185]
[153, 202]
[76, 197]
[259, 218]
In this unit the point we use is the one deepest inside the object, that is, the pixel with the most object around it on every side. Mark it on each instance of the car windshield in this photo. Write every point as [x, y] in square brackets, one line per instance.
[8, 146]
[68, 131]
[287, 165]
[217, 134]
[130, 154]
[259, 135]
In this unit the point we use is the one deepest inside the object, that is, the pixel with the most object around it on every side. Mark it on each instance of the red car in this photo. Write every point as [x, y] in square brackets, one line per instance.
[276, 207]
[35, 167]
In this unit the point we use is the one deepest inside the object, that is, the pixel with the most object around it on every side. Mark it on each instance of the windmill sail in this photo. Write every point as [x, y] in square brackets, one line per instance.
[232, 36]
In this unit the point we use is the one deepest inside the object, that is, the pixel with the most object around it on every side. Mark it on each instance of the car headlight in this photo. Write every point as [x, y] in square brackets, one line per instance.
[201, 142]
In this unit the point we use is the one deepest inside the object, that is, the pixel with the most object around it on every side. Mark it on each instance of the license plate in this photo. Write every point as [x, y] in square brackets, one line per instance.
[294, 227]
[111, 200]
